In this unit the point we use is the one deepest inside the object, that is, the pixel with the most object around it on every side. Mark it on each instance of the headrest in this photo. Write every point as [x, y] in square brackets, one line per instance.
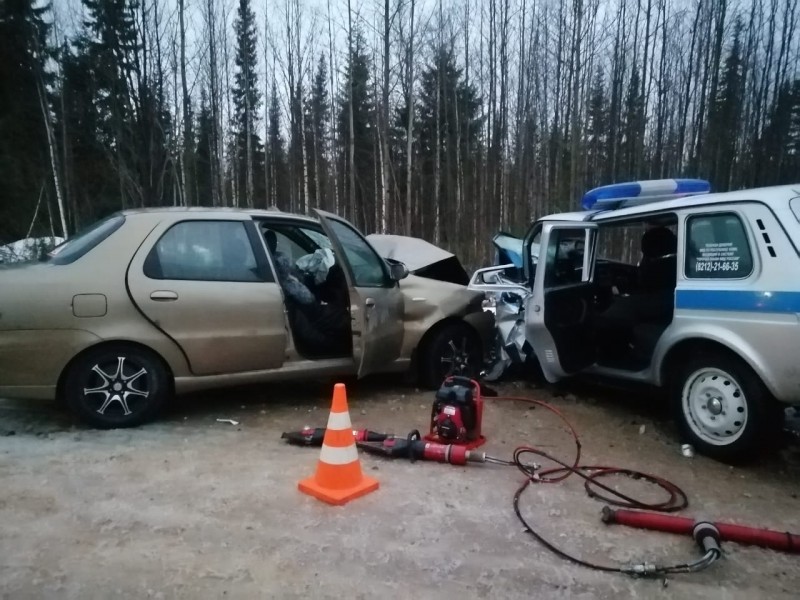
[272, 240]
[659, 241]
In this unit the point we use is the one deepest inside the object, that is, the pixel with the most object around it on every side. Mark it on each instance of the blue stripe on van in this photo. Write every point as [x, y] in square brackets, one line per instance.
[774, 302]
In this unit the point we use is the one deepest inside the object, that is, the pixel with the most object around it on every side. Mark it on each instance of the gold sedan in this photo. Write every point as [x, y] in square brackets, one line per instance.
[148, 303]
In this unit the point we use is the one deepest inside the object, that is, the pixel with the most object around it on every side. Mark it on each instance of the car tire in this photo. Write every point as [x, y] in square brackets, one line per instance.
[454, 349]
[723, 408]
[117, 386]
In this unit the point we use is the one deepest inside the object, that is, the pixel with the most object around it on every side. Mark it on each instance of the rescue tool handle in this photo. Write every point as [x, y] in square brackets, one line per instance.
[728, 532]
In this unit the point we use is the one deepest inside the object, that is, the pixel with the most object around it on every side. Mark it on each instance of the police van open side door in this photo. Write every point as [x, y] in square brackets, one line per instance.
[559, 311]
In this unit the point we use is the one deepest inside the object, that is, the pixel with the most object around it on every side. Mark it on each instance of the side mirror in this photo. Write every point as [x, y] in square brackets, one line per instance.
[398, 271]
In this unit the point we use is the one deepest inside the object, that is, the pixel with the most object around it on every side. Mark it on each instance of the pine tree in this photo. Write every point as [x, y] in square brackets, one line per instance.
[109, 41]
[204, 152]
[458, 126]
[632, 128]
[127, 82]
[246, 102]
[357, 81]
[317, 123]
[278, 192]
[777, 153]
[724, 118]
[24, 165]
[597, 130]
[92, 187]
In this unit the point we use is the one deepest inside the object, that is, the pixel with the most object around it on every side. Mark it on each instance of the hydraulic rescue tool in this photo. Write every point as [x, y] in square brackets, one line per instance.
[313, 436]
[412, 447]
[415, 448]
[455, 431]
[729, 532]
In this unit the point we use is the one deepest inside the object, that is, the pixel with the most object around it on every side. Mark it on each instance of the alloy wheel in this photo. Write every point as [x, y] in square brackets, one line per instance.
[120, 387]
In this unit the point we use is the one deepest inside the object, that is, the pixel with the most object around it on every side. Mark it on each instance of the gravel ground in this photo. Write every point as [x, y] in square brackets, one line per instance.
[189, 507]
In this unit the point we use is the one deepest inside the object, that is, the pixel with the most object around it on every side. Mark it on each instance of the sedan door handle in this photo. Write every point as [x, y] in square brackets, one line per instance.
[163, 296]
[369, 302]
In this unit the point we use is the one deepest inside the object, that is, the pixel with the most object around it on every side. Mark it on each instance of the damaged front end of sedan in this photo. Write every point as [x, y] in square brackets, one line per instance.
[506, 295]
[502, 289]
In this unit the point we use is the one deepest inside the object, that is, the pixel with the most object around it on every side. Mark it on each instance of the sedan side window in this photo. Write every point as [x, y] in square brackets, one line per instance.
[369, 269]
[203, 251]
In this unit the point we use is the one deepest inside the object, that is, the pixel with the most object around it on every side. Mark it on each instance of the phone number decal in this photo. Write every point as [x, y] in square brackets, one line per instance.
[721, 265]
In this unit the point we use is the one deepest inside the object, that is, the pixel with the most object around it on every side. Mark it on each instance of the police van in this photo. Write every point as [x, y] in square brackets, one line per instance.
[665, 283]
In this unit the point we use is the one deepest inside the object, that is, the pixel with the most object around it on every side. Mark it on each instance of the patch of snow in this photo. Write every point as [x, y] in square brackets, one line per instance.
[27, 249]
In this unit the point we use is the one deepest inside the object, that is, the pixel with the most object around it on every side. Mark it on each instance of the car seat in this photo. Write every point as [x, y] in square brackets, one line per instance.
[658, 267]
[657, 281]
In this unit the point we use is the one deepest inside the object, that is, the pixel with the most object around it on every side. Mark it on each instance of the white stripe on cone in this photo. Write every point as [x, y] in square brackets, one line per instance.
[339, 420]
[338, 456]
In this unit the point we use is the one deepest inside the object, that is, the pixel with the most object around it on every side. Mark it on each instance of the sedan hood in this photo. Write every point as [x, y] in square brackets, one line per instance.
[422, 258]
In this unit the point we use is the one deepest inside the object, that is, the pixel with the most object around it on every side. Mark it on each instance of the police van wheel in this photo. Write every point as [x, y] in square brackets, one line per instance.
[723, 408]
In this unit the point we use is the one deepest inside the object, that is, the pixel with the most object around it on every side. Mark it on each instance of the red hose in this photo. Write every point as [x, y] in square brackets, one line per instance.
[767, 538]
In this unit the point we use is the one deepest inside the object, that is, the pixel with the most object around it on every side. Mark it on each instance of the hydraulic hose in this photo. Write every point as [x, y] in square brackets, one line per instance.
[675, 501]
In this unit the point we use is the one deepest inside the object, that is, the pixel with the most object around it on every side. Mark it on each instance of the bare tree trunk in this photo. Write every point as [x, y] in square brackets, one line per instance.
[386, 161]
[334, 126]
[503, 114]
[459, 174]
[410, 124]
[318, 196]
[248, 119]
[268, 200]
[51, 139]
[304, 158]
[233, 174]
[188, 137]
[351, 133]
[438, 149]
[687, 93]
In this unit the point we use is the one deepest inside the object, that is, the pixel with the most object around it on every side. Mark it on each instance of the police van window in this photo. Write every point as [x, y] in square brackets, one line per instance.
[717, 248]
[564, 258]
[794, 204]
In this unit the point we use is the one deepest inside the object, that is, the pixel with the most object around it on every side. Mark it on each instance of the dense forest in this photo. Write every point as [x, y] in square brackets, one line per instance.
[448, 120]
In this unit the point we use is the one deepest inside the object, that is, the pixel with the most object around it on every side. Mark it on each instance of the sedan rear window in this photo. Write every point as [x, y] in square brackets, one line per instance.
[204, 251]
[81, 243]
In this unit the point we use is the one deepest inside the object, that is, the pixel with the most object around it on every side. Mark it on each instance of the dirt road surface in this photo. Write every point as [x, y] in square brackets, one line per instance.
[189, 507]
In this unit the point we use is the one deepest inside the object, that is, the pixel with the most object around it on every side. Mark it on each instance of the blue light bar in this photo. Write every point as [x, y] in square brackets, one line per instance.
[609, 197]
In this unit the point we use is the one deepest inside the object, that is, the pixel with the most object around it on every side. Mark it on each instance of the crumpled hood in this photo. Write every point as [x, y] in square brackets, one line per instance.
[421, 257]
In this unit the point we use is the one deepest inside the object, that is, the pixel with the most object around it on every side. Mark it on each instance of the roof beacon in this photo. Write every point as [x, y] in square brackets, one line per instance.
[633, 193]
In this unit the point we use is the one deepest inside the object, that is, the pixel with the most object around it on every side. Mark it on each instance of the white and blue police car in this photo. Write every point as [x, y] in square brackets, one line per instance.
[665, 283]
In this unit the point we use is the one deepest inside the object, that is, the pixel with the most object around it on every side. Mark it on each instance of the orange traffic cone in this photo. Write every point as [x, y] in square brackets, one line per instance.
[338, 478]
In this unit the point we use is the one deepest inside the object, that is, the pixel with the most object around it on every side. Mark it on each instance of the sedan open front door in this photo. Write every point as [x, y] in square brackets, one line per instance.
[376, 302]
[559, 311]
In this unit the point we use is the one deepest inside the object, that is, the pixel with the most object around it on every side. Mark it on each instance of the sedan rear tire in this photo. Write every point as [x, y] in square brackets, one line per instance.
[455, 349]
[117, 386]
